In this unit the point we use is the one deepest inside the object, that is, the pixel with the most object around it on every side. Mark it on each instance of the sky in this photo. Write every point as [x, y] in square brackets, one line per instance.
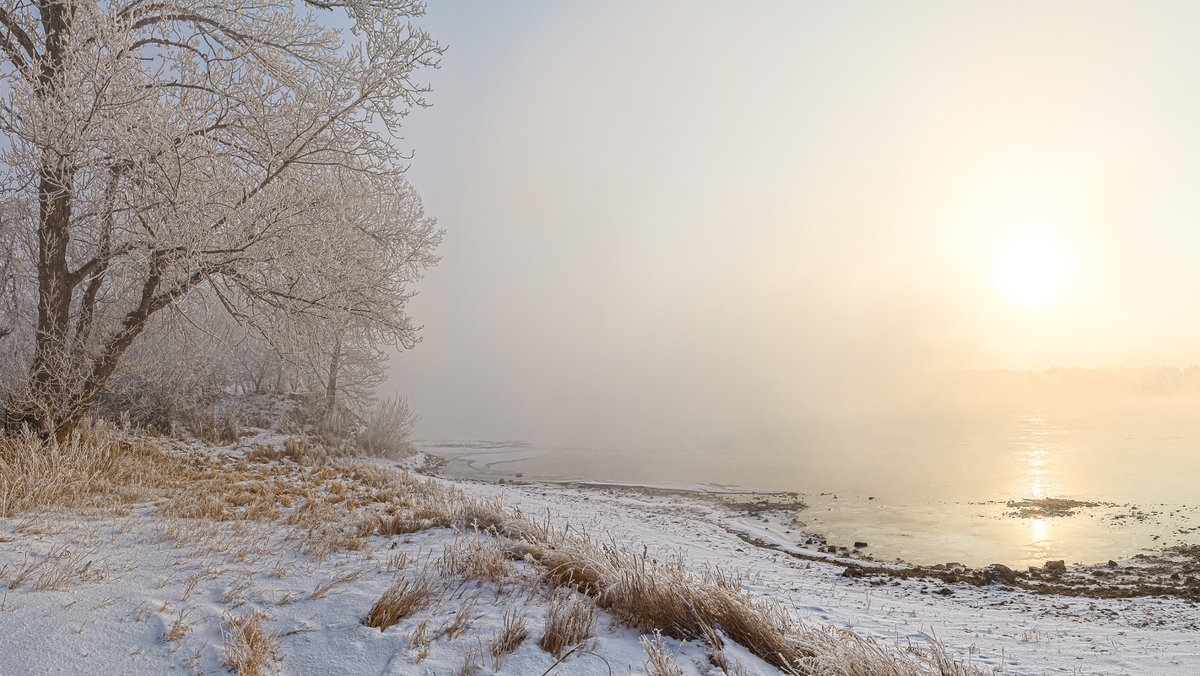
[669, 218]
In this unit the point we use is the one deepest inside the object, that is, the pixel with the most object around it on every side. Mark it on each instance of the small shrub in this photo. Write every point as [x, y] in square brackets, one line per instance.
[386, 430]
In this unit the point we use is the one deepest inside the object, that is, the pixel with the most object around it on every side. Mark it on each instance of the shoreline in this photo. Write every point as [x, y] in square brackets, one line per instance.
[969, 521]
[1050, 626]
[1170, 572]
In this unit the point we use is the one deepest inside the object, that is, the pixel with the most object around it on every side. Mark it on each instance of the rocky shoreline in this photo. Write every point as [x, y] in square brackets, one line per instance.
[1173, 572]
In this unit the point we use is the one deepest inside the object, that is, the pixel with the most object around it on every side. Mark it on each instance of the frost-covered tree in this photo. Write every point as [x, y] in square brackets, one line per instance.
[153, 150]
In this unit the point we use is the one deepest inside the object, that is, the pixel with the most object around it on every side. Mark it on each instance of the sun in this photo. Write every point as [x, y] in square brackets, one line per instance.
[1032, 270]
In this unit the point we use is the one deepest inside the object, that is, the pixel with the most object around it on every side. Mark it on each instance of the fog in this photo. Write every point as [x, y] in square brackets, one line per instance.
[679, 222]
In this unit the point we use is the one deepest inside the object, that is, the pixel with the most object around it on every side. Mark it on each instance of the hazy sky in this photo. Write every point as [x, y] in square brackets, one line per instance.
[711, 216]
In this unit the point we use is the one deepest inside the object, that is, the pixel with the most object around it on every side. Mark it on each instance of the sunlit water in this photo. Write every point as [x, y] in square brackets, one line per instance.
[932, 489]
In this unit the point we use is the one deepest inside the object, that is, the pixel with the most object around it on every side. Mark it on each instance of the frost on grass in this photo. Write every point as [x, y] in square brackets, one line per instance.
[513, 632]
[569, 623]
[407, 597]
[660, 662]
[250, 648]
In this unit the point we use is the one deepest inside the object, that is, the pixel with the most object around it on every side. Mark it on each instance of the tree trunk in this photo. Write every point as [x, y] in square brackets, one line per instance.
[332, 384]
[48, 374]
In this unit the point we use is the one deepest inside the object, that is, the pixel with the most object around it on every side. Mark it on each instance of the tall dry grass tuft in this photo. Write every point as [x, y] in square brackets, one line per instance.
[250, 649]
[218, 429]
[97, 465]
[513, 632]
[663, 597]
[480, 514]
[407, 597]
[405, 522]
[569, 622]
[308, 451]
[477, 558]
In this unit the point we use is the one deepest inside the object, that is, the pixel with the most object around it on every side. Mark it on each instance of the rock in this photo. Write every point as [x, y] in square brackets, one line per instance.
[954, 564]
[860, 544]
[998, 572]
[1059, 566]
[945, 591]
[853, 571]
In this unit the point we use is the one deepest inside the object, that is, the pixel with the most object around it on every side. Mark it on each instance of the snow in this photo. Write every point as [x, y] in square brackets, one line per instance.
[136, 572]
[1012, 631]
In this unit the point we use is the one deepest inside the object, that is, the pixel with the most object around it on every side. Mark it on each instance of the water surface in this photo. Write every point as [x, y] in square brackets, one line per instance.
[933, 488]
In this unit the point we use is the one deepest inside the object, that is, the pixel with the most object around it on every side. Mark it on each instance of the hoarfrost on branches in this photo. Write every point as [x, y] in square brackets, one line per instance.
[242, 154]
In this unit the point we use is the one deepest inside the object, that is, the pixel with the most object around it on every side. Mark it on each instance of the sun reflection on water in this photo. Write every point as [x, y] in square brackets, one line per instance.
[1036, 478]
[1036, 471]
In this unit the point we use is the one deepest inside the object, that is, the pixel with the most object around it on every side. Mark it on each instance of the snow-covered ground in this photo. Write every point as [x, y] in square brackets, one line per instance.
[137, 591]
[1011, 631]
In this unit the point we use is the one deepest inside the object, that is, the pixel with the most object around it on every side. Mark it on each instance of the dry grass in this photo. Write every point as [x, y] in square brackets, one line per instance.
[411, 521]
[263, 453]
[569, 622]
[461, 621]
[478, 558]
[472, 662]
[56, 569]
[179, 628]
[250, 649]
[322, 589]
[421, 640]
[660, 662]
[308, 451]
[407, 597]
[97, 466]
[216, 429]
[236, 593]
[663, 597]
[513, 632]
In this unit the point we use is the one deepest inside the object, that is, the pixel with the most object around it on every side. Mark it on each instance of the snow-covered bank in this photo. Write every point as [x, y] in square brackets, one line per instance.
[157, 587]
[1002, 628]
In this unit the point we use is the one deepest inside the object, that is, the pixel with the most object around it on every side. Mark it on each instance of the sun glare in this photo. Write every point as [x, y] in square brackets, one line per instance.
[1032, 270]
